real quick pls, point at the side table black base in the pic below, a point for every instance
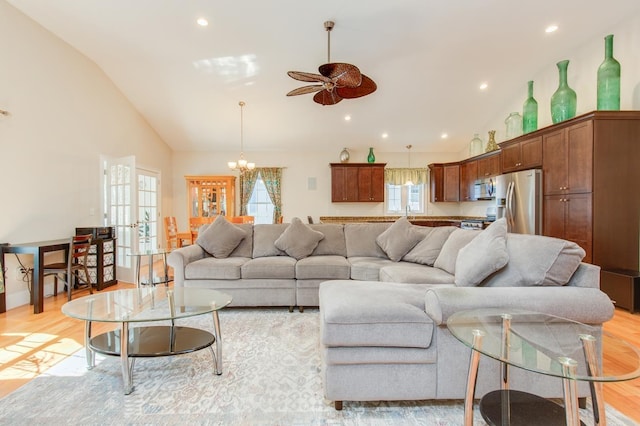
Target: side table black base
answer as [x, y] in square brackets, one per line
[525, 409]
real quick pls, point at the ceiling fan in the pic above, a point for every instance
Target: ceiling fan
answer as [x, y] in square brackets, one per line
[337, 80]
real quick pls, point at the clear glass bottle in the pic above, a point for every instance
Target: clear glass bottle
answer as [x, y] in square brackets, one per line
[514, 125]
[371, 158]
[530, 112]
[564, 100]
[609, 79]
[475, 146]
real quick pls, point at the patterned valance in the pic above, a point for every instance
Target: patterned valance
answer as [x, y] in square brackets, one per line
[402, 175]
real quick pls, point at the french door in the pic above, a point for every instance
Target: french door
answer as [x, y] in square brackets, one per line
[131, 200]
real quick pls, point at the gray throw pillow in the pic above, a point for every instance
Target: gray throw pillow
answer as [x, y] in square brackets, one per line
[220, 238]
[426, 251]
[398, 239]
[449, 254]
[298, 240]
[484, 255]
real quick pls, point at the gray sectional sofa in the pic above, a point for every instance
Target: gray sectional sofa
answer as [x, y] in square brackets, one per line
[385, 292]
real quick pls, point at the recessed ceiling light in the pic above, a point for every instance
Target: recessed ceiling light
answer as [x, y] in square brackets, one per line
[202, 22]
[551, 29]
[444, 136]
[483, 86]
[385, 135]
[347, 118]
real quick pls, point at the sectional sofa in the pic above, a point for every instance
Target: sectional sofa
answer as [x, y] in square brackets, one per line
[385, 292]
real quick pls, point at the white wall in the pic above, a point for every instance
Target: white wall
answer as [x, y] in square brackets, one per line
[65, 113]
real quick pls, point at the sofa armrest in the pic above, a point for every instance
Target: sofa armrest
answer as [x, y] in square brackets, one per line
[179, 259]
[585, 305]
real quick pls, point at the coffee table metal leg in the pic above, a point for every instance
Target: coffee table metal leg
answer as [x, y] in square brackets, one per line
[570, 388]
[91, 356]
[127, 377]
[593, 367]
[472, 377]
[218, 335]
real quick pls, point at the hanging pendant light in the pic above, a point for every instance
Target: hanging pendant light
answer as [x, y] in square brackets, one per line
[409, 182]
[242, 165]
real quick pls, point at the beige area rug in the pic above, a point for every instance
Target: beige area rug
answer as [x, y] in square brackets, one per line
[271, 376]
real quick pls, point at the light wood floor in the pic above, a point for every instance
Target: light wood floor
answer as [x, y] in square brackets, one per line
[30, 344]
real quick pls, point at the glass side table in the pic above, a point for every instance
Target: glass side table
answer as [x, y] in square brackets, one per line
[149, 304]
[543, 344]
[150, 254]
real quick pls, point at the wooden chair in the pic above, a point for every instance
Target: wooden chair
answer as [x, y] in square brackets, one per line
[75, 262]
[174, 238]
[242, 219]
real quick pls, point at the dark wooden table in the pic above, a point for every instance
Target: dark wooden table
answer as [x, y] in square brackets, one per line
[37, 249]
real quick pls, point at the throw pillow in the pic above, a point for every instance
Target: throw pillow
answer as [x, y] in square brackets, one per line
[484, 255]
[459, 238]
[220, 238]
[426, 251]
[298, 240]
[398, 239]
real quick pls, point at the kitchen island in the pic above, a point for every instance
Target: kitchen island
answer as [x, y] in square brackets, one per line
[416, 220]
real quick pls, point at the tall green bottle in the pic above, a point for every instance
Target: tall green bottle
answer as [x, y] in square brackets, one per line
[530, 112]
[564, 100]
[609, 79]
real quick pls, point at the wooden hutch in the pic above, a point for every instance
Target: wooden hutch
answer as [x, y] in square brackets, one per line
[210, 196]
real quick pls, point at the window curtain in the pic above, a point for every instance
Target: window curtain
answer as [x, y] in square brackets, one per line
[402, 175]
[248, 180]
[272, 178]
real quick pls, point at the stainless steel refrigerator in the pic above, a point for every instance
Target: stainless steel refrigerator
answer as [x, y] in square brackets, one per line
[519, 199]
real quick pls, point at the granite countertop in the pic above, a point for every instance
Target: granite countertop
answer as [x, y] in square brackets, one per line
[417, 218]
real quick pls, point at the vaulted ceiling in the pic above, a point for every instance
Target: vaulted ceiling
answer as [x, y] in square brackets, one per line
[427, 57]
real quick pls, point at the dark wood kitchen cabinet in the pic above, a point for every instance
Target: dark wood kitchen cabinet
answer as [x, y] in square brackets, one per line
[357, 182]
[445, 182]
[489, 164]
[468, 177]
[522, 153]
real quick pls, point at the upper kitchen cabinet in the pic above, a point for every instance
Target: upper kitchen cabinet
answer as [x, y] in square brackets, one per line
[489, 164]
[521, 153]
[445, 182]
[357, 182]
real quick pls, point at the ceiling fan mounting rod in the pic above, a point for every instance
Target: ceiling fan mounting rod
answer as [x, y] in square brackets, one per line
[328, 25]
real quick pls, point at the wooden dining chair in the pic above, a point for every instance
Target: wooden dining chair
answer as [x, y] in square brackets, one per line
[174, 238]
[74, 266]
[242, 219]
[196, 222]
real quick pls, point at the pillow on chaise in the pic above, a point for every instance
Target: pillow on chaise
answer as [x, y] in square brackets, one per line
[459, 238]
[220, 238]
[484, 255]
[427, 250]
[298, 240]
[398, 239]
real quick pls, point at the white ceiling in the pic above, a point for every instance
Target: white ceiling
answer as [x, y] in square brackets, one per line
[427, 58]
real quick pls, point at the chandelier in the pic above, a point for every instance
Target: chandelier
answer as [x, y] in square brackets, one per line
[242, 165]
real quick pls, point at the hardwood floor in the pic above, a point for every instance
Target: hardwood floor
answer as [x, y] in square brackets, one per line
[30, 344]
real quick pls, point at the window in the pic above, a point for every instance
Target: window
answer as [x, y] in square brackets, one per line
[260, 205]
[405, 199]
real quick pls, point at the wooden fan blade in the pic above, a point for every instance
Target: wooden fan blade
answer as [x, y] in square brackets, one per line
[326, 97]
[367, 87]
[305, 89]
[344, 75]
[308, 77]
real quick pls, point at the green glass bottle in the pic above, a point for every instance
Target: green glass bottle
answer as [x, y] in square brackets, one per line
[564, 100]
[609, 79]
[371, 158]
[530, 112]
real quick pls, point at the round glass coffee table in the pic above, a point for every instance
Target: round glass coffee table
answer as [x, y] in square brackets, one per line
[148, 305]
[543, 344]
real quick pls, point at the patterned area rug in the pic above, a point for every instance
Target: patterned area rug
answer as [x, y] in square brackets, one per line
[271, 376]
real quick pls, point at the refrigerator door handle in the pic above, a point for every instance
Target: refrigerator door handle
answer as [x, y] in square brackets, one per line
[509, 207]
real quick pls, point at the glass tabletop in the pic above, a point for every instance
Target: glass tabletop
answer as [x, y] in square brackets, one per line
[146, 304]
[150, 252]
[544, 343]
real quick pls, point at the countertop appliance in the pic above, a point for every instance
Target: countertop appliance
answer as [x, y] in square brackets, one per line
[519, 199]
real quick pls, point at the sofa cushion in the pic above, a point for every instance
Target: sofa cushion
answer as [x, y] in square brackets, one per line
[215, 269]
[298, 240]
[484, 255]
[537, 260]
[220, 238]
[427, 250]
[367, 268]
[405, 272]
[333, 242]
[366, 313]
[269, 267]
[323, 267]
[459, 238]
[361, 239]
[264, 239]
[398, 239]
